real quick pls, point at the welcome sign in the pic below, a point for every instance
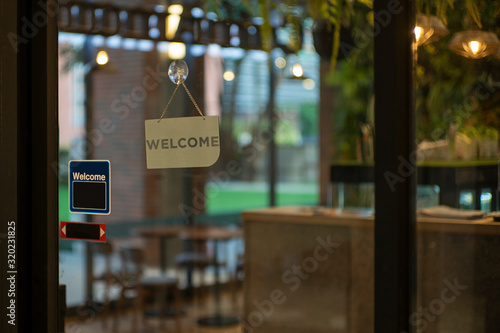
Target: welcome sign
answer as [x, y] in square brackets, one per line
[182, 142]
[89, 187]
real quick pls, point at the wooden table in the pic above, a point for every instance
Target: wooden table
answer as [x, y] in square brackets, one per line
[162, 233]
[215, 234]
[194, 233]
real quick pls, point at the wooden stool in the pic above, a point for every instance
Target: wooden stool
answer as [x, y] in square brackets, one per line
[132, 278]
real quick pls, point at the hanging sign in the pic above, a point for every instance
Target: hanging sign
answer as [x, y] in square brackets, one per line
[85, 231]
[182, 142]
[89, 187]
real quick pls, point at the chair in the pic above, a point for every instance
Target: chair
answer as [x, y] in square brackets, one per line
[104, 251]
[143, 288]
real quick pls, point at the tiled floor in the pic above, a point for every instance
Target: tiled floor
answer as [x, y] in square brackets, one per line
[193, 310]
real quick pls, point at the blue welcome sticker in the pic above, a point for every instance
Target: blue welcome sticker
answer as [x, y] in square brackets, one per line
[89, 187]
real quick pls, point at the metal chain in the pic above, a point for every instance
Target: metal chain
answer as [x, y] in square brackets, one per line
[172, 97]
[194, 102]
[168, 104]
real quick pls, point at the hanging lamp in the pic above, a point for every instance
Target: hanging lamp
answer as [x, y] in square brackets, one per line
[429, 29]
[474, 44]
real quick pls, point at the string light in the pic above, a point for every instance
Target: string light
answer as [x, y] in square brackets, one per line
[102, 58]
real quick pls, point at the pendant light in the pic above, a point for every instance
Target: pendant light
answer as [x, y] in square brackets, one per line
[429, 29]
[474, 44]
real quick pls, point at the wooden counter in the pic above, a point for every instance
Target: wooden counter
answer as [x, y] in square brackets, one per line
[335, 217]
[311, 270]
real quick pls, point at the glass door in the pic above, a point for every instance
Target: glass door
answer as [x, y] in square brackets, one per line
[456, 100]
[185, 222]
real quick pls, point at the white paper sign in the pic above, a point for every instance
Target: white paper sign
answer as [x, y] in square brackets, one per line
[182, 142]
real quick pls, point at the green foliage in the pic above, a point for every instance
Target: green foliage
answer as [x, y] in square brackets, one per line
[231, 10]
[439, 8]
[309, 120]
[294, 24]
[286, 133]
[452, 89]
[353, 79]
[290, 12]
[335, 19]
[473, 10]
[339, 13]
[446, 82]
[71, 56]
[442, 88]
[266, 30]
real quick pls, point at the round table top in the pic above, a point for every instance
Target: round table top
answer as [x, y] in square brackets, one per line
[159, 231]
[196, 232]
[209, 233]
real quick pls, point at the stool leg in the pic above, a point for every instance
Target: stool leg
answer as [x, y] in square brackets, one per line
[163, 307]
[118, 313]
[142, 305]
[177, 308]
[136, 311]
[203, 283]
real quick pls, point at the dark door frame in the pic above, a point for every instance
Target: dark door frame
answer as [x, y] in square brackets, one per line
[28, 168]
[395, 182]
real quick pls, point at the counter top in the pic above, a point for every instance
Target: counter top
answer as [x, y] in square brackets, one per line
[345, 218]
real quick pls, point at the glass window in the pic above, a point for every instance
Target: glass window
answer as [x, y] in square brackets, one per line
[288, 206]
[457, 133]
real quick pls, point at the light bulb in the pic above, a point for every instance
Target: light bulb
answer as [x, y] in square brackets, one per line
[176, 50]
[474, 44]
[423, 34]
[474, 47]
[418, 33]
[228, 76]
[175, 9]
[297, 70]
[308, 84]
[280, 62]
[102, 58]
[172, 20]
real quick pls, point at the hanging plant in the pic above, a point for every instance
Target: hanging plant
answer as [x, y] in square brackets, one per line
[473, 10]
[293, 22]
[231, 10]
[442, 8]
[335, 12]
[289, 15]
[335, 19]
[338, 15]
[266, 30]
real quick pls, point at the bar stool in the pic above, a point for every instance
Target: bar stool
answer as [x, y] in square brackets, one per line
[143, 287]
[194, 259]
[100, 250]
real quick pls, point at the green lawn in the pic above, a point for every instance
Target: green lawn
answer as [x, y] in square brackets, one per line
[63, 203]
[233, 201]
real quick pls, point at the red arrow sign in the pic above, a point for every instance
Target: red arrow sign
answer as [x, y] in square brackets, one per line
[83, 231]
